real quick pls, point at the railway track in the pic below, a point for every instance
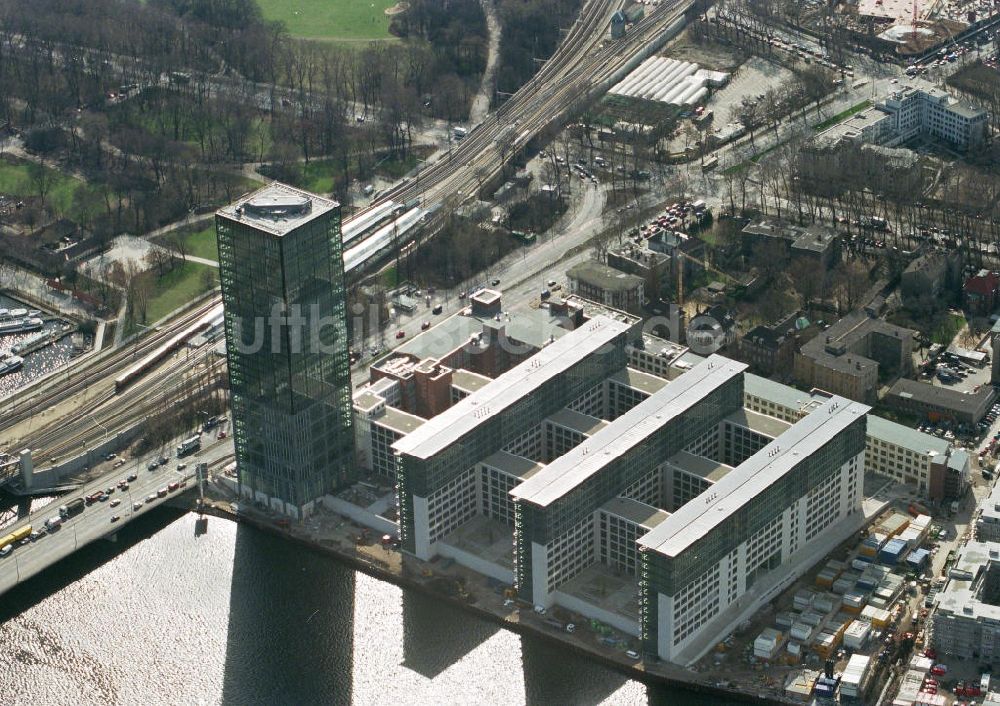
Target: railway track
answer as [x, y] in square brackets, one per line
[98, 370]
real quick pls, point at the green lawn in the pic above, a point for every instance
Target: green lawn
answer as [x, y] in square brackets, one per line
[842, 116]
[331, 19]
[16, 180]
[177, 288]
[198, 243]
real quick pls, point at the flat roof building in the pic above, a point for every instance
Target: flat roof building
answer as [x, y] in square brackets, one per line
[615, 288]
[709, 553]
[940, 403]
[913, 109]
[281, 265]
[966, 621]
[436, 462]
[849, 357]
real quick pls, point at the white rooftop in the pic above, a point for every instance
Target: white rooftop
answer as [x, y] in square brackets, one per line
[703, 514]
[277, 208]
[573, 468]
[445, 429]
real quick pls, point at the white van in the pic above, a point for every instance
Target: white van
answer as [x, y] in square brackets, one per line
[54, 522]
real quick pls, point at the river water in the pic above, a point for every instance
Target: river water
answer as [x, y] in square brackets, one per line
[239, 616]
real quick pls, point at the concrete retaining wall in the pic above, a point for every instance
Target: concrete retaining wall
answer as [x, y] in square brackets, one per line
[477, 564]
[53, 475]
[629, 627]
[360, 515]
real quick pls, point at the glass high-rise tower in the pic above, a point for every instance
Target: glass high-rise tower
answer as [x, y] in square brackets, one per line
[282, 273]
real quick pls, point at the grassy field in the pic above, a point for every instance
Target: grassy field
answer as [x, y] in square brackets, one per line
[318, 175]
[178, 287]
[15, 179]
[198, 243]
[340, 20]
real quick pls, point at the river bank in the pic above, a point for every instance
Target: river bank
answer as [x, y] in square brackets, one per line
[474, 593]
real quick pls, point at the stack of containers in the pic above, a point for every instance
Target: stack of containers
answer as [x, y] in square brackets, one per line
[854, 602]
[803, 599]
[857, 634]
[827, 603]
[784, 620]
[891, 553]
[879, 617]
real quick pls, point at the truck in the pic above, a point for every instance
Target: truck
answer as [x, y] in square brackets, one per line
[53, 522]
[73, 507]
[189, 446]
[15, 536]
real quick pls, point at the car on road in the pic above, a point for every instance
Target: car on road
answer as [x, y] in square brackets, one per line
[136, 506]
[111, 457]
[151, 497]
[173, 486]
[161, 493]
[115, 503]
[551, 283]
[163, 460]
[424, 326]
[181, 466]
[152, 465]
[131, 477]
[495, 283]
[119, 463]
[437, 310]
[632, 654]
[400, 334]
[115, 518]
[6, 550]
[222, 434]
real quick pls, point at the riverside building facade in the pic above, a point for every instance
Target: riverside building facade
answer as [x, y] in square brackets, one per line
[282, 276]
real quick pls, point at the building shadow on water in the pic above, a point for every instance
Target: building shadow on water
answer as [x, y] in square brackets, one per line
[553, 675]
[436, 635]
[291, 625]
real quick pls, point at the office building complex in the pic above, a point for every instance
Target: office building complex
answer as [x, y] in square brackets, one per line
[619, 476]
[928, 463]
[282, 275]
[966, 623]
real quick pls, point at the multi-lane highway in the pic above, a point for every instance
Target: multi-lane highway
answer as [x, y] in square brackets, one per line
[97, 519]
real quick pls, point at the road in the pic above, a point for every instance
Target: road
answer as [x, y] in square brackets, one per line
[95, 522]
